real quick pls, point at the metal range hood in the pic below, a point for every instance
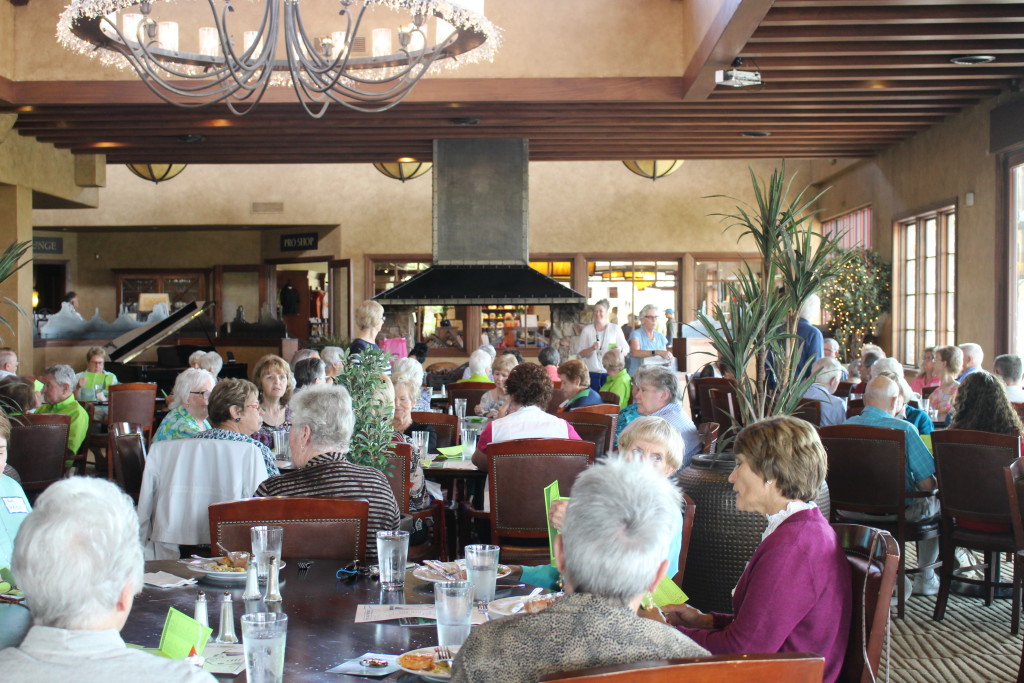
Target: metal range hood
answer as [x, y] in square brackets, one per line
[481, 225]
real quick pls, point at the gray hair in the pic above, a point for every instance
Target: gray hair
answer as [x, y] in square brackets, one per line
[616, 532]
[368, 314]
[829, 341]
[327, 410]
[76, 551]
[602, 302]
[648, 307]
[307, 371]
[411, 386]
[479, 362]
[1008, 367]
[810, 308]
[656, 430]
[408, 367]
[212, 362]
[658, 377]
[196, 356]
[8, 355]
[824, 368]
[880, 392]
[888, 364]
[491, 351]
[188, 381]
[303, 354]
[973, 350]
[63, 374]
[331, 355]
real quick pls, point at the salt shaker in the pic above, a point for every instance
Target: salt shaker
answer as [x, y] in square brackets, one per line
[273, 582]
[201, 613]
[252, 586]
[227, 620]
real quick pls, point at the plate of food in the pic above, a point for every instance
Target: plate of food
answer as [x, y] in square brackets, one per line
[219, 569]
[423, 662]
[456, 569]
[527, 604]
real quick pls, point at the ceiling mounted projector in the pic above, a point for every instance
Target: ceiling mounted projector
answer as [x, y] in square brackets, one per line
[735, 78]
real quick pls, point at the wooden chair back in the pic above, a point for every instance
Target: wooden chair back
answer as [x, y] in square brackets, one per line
[694, 399]
[38, 448]
[445, 426]
[874, 558]
[471, 391]
[854, 407]
[1013, 476]
[129, 462]
[865, 468]
[723, 408]
[968, 464]
[602, 408]
[689, 510]
[844, 388]
[598, 428]
[926, 392]
[399, 459]
[704, 386]
[134, 403]
[788, 666]
[314, 528]
[809, 409]
[519, 471]
[708, 432]
[1019, 407]
[609, 397]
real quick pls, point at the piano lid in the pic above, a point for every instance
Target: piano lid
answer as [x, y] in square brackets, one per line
[132, 344]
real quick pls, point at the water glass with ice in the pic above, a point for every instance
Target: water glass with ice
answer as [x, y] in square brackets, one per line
[454, 603]
[420, 441]
[392, 553]
[469, 435]
[482, 570]
[460, 408]
[266, 543]
[263, 641]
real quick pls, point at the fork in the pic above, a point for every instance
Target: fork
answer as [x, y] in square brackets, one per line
[442, 653]
[304, 566]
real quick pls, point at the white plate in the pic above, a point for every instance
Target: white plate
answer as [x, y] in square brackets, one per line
[427, 676]
[502, 607]
[215, 575]
[428, 574]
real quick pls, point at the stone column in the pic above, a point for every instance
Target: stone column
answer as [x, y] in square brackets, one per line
[16, 226]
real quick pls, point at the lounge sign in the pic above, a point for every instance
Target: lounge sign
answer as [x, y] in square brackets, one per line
[301, 242]
[47, 245]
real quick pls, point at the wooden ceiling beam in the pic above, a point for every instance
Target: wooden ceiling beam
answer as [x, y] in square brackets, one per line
[856, 13]
[900, 32]
[839, 47]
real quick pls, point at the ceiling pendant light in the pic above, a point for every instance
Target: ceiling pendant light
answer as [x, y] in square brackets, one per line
[654, 169]
[235, 52]
[405, 168]
[156, 173]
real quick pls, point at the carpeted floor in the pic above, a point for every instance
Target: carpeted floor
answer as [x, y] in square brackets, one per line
[972, 643]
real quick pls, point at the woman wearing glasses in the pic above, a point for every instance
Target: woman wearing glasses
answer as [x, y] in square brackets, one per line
[191, 400]
[647, 345]
[235, 413]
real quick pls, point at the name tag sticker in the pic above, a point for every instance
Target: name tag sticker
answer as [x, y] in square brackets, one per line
[15, 505]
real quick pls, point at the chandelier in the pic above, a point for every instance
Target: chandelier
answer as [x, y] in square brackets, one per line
[235, 56]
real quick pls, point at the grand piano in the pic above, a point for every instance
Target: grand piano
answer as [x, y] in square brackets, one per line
[171, 360]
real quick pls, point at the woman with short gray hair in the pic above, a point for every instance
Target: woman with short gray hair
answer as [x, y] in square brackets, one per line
[413, 370]
[190, 406]
[647, 344]
[657, 392]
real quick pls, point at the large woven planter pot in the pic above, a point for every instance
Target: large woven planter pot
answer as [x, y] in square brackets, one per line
[724, 538]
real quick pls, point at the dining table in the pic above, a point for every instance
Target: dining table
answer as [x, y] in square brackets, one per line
[321, 610]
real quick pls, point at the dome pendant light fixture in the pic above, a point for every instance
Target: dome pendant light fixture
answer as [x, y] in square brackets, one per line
[156, 173]
[405, 168]
[654, 169]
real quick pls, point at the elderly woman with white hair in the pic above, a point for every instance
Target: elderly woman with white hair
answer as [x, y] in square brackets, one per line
[479, 364]
[647, 343]
[412, 369]
[494, 403]
[190, 406]
[212, 363]
[80, 602]
[657, 392]
[369, 319]
[322, 426]
[404, 392]
[334, 359]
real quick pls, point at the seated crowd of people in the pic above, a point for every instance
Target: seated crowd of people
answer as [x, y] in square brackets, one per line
[620, 532]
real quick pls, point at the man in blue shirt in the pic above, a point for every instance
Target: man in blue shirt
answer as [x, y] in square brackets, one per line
[881, 400]
[826, 373]
[973, 358]
[811, 342]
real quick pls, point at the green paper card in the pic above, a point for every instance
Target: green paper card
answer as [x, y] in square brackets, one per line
[551, 494]
[927, 438]
[181, 634]
[668, 593]
[451, 451]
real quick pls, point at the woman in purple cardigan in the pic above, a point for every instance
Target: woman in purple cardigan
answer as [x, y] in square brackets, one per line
[795, 594]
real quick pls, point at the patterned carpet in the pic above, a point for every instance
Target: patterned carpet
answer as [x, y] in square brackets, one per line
[972, 643]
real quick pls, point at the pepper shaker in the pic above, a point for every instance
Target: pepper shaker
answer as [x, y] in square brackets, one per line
[273, 582]
[227, 620]
[252, 586]
[201, 612]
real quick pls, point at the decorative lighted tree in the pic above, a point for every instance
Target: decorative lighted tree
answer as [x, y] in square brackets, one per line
[856, 299]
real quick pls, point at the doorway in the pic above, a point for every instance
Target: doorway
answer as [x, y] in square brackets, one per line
[51, 282]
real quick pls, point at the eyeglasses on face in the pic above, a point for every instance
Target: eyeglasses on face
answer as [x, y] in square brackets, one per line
[651, 317]
[204, 394]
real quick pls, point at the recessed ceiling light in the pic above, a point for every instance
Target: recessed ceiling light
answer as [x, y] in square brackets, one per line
[192, 138]
[466, 121]
[971, 60]
[755, 133]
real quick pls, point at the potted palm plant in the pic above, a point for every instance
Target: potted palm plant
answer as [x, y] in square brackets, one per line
[754, 333]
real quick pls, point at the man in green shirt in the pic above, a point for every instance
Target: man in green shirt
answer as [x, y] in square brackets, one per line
[58, 385]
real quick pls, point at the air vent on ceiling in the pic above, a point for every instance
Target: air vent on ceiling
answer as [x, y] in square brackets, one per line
[267, 207]
[359, 45]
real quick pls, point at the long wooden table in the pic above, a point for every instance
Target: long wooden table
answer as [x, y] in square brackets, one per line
[320, 609]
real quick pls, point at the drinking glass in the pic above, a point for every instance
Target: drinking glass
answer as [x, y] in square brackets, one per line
[468, 441]
[454, 603]
[392, 553]
[420, 441]
[482, 571]
[460, 408]
[263, 641]
[266, 543]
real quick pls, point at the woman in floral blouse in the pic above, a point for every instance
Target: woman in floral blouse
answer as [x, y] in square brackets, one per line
[235, 413]
[191, 400]
[949, 361]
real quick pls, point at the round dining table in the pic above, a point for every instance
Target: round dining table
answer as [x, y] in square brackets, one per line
[321, 610]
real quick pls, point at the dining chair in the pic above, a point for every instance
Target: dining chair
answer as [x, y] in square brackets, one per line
[809, 409]
[708, 433]
[399, 462]
[844, 388]
[314, 528]
[694, 399]
[1019, 407]
[1014, 480]
[976, 511]
[598, 428]
[471, 391]
[704, 386]
[445, 426]
[129, 457]
[38, 449]
[134, 403]
[602, 408]
[519, 470]
[854, 407]
[723, 408]
[927, 391]
[609, 396]
[689, 510]
[867, 475]
[792, 667]
[874, 558]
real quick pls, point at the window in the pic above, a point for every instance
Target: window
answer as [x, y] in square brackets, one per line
[387, 274]
[925, 282]
[1016, 216]
[710, 280]
[631, 285]
[856, 225]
